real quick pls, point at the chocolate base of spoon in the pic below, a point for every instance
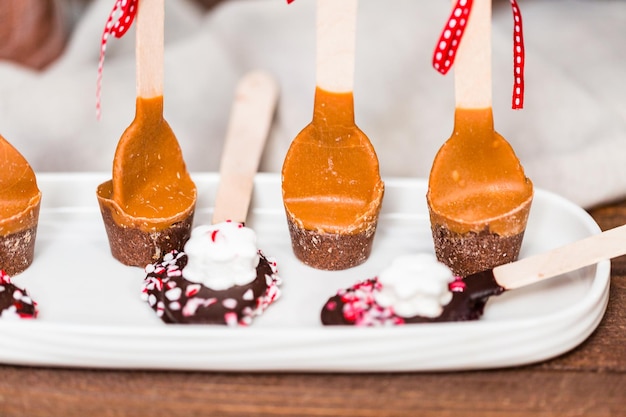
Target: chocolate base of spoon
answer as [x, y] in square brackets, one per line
[17, 250]
[330, 251]
[134, 246]
[472, 252]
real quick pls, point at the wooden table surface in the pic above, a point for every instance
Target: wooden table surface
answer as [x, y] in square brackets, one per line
[588, 381]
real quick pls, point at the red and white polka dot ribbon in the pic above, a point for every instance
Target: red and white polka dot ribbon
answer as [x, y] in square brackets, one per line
[519, 58]
[119, 21]
[450, 37]
[445, 51]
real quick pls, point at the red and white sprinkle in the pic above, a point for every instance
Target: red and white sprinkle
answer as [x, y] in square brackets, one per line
[159, 280]
[17, 305]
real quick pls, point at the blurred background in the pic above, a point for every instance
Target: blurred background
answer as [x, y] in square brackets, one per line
[570, 136]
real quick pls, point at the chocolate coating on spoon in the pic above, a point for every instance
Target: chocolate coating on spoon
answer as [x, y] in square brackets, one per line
[356, 305]
[178, 300]
[15, 303]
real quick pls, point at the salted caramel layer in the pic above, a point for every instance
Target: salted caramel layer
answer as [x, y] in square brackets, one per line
[151, 187]
[331, 179]
[19, 195]
[477, 181]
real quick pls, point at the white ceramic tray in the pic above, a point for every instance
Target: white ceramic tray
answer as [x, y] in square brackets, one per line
[91, 314]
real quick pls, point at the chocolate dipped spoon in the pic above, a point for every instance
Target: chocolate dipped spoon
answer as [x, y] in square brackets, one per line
[148, 206]
[362, 304]
[478, 195]
[222, 277]
[20, 200]
[332, 190]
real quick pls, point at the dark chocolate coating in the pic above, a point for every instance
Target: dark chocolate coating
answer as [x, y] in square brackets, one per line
[466, 304]
[472, 252]
[25, 308]
[330, 251]
[135, 247]
[245, 297]
[17, 250]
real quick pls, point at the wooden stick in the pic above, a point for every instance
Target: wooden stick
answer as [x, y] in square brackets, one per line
[565, 259]
[336, 40]
[149, 48]
[472, 65]
[248, 128]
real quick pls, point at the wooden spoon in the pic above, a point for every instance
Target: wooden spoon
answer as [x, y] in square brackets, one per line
[332, 190]
[248, 128]
[249, 125]
[151, 189]
[478, 195]
[20, 199]
[471, 293]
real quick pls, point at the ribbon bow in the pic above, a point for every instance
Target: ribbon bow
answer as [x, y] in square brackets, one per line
[120, 20]
[445, 51]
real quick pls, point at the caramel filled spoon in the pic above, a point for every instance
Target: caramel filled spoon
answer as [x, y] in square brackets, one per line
[149, 204]
[20, 199]
[332, 190]
[478, 195]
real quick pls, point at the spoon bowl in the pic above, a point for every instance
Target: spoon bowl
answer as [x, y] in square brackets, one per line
[479, 198]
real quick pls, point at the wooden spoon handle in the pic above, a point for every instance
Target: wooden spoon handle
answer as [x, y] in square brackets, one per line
[248, 128]
[472, 65]
[149, 48]
[567, 258]
[336, 40]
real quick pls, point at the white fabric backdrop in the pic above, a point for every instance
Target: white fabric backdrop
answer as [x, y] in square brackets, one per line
[571, 135]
